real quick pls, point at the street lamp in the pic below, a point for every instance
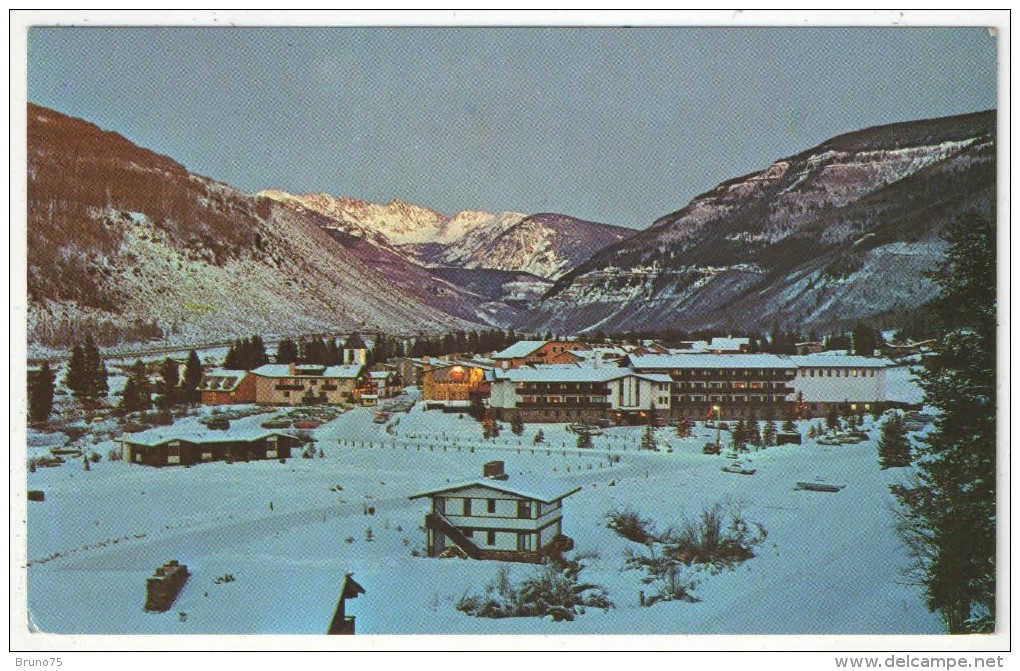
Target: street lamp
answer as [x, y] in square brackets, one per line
[718, 428]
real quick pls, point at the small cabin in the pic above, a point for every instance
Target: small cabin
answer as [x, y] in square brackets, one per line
[497, 516]
[170, 447]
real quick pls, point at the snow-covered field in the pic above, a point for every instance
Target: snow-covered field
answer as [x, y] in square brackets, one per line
[289, 532]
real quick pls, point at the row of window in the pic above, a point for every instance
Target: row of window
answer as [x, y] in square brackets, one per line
[837, 372]
[523, 508]
[524, 539]
[552, 400]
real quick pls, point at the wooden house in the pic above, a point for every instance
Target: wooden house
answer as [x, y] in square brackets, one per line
[170, 446]
[454, 384]
[535, 352]
[227, 387]
[295, 384]
[499, 517]
[376, 384]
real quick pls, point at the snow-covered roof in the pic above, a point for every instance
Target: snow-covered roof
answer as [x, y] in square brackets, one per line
[829, 360]
[283, 370]
[221, 379]
[729, 343]
[443, 363]
[521, 348]
[546, 490]
[698, 360]
[165, 434]
[380, 374]
[572, 373]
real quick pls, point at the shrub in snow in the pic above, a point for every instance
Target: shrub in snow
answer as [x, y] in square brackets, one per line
[539, 437]
[114, 455]
[551, 592]
[673, 559]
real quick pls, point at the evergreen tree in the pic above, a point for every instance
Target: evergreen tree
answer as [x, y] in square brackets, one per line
[76, 377]
[257, 354]
[40, 394]
[683, 427]
[584, 440]
[768, 433]
[739, 436]
[233, 359]
[832, 418]
[168, 383]
[893, 446]
[137, 390]
[754, 431]
[866, 339]
[516, 424]
[287, 351]
[648, 438]
[800, 408]
[97, 373]
[192, 378]
[949, 520]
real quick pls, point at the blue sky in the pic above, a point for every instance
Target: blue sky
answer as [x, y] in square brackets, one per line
[619, 125]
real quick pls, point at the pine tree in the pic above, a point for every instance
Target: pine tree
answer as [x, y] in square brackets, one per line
[96, 371]
[832, 418]
[517, 424]
[40, 394]
[169, 379]
[754, 431]
[949, 512]
[192, 378]
[893, 445]
[287, 351]
[76, 377]
[768, 434]
[648, 438]
[800, 409]
[683, 427]
[584, 440]
[137, 390]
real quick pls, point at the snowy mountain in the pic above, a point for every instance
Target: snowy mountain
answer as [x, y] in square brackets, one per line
[544, 245]
[843, 231]
[130, 246]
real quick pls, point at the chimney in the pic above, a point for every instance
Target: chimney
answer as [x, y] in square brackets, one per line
[291, 368]
[598, 359]
[493, 470]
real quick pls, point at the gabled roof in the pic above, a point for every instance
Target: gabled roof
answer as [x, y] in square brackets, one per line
[221, 380]
[354, 342]
[572, 373]
[827, 360]
[162, 435]
[520, 349]
[699, 360]
[283, 370]
[537, 488]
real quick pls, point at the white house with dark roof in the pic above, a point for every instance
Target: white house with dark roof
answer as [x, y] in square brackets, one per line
[509, 518]
[827, 379]
[578, 393]
[290, 384]
[186, 445]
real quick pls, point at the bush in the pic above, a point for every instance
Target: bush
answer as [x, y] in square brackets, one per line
[550, 591]
[672, 560]
[114, 455]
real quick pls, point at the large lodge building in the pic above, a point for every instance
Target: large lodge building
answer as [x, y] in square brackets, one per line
[570, 381]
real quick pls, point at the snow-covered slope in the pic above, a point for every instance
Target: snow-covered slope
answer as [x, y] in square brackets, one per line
[129, 246]
[837, 233]
[546, 245]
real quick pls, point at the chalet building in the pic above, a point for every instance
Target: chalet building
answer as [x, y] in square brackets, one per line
[293, 384]
[167, 446]
[856, 382]
[375, 385]
[454, 384]
[515, 518]
[227, 387]
[906, 349]
[533, 352]
[737, 384]
[578, 394]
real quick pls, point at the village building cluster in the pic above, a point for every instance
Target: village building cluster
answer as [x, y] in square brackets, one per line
[574, 381]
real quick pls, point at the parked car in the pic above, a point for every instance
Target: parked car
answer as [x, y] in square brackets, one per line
[589, 429]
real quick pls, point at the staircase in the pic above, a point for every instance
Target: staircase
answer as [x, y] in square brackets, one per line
[437, 522]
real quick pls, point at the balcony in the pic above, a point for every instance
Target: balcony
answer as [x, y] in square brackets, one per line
[563, 404]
